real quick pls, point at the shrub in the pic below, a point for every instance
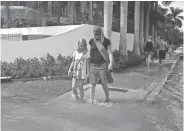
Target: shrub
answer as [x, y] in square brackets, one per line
[35, 67]
[48, 65]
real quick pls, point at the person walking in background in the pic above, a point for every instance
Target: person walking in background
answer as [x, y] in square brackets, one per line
[148, 48]
[79, 68]
[170, 51]
[101, 62]
[162, 49]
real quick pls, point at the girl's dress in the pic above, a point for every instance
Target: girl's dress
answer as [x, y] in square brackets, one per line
[80, 64]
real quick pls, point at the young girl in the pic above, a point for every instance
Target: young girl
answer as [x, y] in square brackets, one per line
[79, 68]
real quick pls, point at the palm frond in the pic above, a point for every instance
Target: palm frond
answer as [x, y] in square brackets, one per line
[181, 17]
[156, 18]
[172, 10]
[170, 16]
[178, 22]
[177, 12]
[161, 10]
[166, 3]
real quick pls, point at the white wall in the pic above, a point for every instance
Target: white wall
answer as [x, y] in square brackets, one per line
[64, 44]
[49, 30]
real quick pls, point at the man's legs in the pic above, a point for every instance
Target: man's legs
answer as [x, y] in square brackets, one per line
[92, 93]
[106, 91]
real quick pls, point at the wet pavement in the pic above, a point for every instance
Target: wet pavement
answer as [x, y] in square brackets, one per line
[123, 112]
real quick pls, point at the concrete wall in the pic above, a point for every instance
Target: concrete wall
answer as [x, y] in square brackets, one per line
[51, 30]
[64, 44]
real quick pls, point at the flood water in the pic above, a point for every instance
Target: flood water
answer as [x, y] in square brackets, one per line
[172, 94]
[169, 103]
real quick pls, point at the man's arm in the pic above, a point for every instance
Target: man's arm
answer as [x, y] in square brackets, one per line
[111, 58]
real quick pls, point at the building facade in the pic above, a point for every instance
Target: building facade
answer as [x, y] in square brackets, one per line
[57, 12]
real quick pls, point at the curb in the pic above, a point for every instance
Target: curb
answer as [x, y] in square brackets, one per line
[150, 97]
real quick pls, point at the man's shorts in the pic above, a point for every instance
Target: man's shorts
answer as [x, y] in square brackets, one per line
[162, 54]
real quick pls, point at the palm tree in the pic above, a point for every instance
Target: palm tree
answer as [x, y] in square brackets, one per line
[123, 28]
[41, 6]
[141, 31]
[147, 11]
[155, 32]
[175, 18]
[108, 8]
[151, 22]
[166, 3]
[136, 29]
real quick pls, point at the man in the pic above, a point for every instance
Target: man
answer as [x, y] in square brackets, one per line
[101, 62]
[162, 49]
[170, 51]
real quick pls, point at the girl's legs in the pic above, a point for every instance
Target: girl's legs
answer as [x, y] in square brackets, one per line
[74, 88]
[81, 83]
[92, 93]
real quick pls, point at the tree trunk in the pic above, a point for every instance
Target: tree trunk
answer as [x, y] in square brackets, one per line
[71, 12]
[58, 12]
[152, 25]
[147, 22]
[49, 7]
[136, 29]
[155, 30]
[41, 9]
[141, 37]
[123, 28]
[7, 15]
[82, 8]
[173, 35]
[152, 32]
[108, 8]
[91, 12]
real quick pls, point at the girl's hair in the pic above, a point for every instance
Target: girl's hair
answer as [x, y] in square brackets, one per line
[85, 45]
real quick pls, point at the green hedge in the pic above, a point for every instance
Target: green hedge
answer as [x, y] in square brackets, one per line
[35, 67]
[48, 65]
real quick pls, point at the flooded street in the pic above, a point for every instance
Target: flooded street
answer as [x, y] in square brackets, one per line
[29, 109]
